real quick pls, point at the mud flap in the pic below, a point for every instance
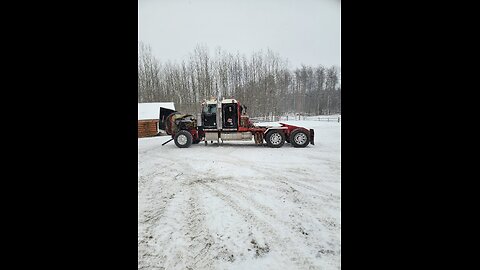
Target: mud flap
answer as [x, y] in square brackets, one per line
[258, 136]
[312, 137]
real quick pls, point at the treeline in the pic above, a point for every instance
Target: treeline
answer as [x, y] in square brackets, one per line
[262, 82]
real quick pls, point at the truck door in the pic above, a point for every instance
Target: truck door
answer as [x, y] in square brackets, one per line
[209, 116]
[230, 117]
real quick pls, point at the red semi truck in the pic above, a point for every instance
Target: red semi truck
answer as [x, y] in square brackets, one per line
[227, 120]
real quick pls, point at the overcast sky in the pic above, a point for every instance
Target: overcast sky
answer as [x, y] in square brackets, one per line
[304, 31]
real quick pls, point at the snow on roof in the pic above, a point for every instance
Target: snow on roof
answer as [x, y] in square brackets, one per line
[211, 102]
[152, 110]
[229, 100]
[225, 100]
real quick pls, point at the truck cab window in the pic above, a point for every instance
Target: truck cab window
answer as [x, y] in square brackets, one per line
[211, 108]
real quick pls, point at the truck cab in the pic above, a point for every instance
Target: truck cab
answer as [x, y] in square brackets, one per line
[222, 115]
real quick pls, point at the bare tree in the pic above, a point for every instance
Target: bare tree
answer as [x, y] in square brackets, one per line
[262, 81]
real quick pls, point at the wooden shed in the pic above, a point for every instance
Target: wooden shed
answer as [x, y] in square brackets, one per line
[148, 114]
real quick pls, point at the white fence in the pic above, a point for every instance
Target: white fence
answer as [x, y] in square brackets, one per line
[336, 118]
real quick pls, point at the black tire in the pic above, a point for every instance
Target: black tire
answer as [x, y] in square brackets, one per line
[299, 138]
[183, 139]
[275, 138]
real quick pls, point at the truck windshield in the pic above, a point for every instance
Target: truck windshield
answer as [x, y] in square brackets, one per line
[211, 108]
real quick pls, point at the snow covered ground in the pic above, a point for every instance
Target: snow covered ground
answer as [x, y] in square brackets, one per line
[240, 206]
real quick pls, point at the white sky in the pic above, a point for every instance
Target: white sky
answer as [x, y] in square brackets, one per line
[303, 31]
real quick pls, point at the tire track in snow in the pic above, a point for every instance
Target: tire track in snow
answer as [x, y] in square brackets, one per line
[200, 239]
[293, 226]
[158, 196]
[143, 179]
[265, 171]
[183, 238]
[152, 168]
[276, 241]
[328, 221]
[328, 196]
[281, 189]
[307, 177]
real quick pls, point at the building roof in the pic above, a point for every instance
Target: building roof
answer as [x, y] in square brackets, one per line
[152, 110]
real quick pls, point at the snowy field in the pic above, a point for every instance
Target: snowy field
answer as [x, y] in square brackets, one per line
[240, 206]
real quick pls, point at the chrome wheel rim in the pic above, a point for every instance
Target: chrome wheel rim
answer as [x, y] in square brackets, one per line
[182, 139]
[276, 138]
[300, 138]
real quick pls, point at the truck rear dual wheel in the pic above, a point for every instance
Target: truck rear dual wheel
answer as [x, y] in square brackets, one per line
[275, 139]
[183, 139]
[299, 138]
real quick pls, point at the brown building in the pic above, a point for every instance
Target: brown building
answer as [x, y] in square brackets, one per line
[148, 114]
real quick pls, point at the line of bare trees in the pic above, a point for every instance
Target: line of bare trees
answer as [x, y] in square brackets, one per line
[262, 82]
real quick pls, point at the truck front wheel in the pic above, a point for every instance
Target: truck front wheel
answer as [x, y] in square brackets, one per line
[183, 139]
